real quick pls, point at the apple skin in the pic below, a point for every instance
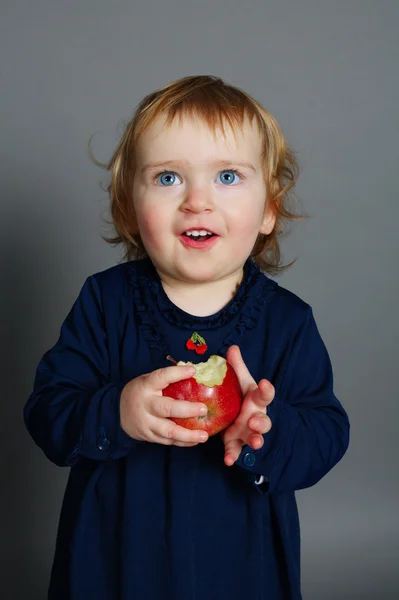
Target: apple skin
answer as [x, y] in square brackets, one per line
[223, 401]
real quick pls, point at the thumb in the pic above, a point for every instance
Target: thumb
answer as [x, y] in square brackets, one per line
[234, 357]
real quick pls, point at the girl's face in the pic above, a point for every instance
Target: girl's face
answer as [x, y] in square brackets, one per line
[188, 181]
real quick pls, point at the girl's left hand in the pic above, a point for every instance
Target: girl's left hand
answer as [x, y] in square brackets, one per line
[252, 420]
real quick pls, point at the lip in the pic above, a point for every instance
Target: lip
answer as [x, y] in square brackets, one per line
[205, 245]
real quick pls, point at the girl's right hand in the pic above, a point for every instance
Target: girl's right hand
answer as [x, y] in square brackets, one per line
[145, 413]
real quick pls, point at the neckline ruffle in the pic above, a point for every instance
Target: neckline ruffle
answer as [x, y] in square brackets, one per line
[150, 298]
[177, 316]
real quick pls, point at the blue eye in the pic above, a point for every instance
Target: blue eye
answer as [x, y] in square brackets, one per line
[229, 177]
[167, 178]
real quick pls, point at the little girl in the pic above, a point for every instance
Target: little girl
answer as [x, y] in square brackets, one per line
[152, 510]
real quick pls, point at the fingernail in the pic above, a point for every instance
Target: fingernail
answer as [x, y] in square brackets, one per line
[203, 410]
[203, 437]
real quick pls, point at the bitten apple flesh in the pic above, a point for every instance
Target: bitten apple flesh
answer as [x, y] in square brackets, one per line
[215, 384]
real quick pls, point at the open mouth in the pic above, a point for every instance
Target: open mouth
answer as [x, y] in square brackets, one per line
[199, 239]
[198, 235]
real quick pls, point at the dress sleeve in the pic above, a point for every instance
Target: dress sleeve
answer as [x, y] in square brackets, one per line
[73, 410]
[310, 428]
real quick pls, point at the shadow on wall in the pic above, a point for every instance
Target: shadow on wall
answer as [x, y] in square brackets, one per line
[32, 488]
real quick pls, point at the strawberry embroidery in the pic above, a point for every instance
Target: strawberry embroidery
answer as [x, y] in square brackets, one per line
[197, 343]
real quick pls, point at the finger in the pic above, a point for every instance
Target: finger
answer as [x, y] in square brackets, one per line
[161, 378]
[234, 357]
[260, 423]
[176, 433]
[158, 439]
[264, 394]
[169, 407]
[255, 441]
[231, 433]
[185, 444]
[232, 452]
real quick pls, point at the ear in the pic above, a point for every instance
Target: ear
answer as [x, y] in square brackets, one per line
[268, 222]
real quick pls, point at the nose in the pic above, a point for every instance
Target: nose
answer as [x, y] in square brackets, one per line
[197, 201]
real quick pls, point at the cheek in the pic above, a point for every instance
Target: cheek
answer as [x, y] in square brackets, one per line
[152, 222]
[248, 223]
[246, 210]
[148, 212]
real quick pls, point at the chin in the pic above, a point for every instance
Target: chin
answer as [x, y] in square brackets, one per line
[197, 269]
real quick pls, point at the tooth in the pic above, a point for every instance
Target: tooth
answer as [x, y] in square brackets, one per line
[195, 232]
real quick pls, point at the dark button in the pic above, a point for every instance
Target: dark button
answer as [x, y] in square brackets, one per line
[103, 443]
[249, 459]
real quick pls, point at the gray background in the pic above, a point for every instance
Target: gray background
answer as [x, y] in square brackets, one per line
[328, 70]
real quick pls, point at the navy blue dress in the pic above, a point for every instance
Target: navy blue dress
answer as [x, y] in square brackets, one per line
[143, 521]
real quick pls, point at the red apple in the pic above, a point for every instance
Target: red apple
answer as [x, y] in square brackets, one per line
[216, 384]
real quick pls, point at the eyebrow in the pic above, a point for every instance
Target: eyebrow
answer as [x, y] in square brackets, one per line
[179, 163]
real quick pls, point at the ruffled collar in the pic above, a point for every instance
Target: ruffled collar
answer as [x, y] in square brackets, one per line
[242, 311]
[177, 316]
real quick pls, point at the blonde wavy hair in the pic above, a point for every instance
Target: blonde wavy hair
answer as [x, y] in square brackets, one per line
[216, 103]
